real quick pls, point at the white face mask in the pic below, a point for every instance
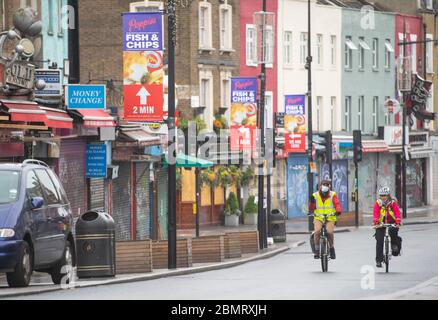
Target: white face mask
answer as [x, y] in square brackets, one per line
[325, 189]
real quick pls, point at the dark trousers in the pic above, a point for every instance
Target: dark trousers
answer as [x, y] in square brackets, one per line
[380, 240]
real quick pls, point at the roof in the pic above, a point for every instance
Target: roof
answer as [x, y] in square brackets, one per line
[351, 4]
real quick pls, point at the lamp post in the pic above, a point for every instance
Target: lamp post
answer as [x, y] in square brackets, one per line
[309, 106]
[171, 40]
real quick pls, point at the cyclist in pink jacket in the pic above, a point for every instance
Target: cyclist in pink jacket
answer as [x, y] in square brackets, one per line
[386, 211]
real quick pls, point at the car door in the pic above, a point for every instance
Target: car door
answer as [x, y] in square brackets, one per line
[56, 236]
[39, 227]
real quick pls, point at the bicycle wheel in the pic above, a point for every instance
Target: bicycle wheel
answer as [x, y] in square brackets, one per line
[324, 255]
[386, 255]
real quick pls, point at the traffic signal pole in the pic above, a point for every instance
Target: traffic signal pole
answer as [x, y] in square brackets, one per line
[309, 106]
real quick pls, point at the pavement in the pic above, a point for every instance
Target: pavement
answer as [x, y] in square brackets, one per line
[41, 282]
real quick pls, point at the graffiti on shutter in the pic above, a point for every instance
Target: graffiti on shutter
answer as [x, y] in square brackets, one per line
[143, 221]
[122, 202]
[97, 194]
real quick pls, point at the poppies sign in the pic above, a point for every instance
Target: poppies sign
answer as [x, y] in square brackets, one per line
[295, 124]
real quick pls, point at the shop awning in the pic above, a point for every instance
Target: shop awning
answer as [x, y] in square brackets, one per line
[417, 153]
[185, 161]
[25, 111]
[140, 136]
[96, 118]
[57, 118]
[369, 146]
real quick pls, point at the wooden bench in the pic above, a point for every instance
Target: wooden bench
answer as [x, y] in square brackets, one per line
[249, 241]
[232, 245]
[183, 254]
[133, 256]
[208, 249]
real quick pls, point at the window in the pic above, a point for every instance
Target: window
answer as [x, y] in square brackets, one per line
[333, 51]
[414, 53]
[332, 113]
[33, 187]
[49, 189]
[318, 113]
[146, 6]
[375, 53]
[225, 89]
[205, 38]
[349, 47]
[269, 115]
[360, 114]
[429, 54]
[347, 114]
[425, 4]
[387, 119]
[319, 49]
[226, 24]
[58, 187]
[51, 17]
[375, 114]
[251, 41]
[60, 6]
[362, 47]
[206, 95]
[268, 50]
[303, 48]
[287, 48]
[9, 186]
[388, 50]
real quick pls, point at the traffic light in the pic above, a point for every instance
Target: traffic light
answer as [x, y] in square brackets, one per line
[325, 140]
[357, 145]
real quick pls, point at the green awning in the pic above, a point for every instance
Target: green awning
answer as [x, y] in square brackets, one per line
[185, 161]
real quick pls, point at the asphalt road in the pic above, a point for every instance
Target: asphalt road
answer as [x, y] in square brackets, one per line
[292, 275]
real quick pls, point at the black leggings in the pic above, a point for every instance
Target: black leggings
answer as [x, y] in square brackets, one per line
[380, 238]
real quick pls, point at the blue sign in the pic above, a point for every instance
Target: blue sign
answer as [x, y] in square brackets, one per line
[52, 78]
[143, 31]
[86, 97]
[243, 90]
[96, 161]
[294, 104]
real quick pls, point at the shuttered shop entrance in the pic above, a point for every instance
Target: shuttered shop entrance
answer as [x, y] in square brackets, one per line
[121, 196]
[97, 194]
[162, 193]
[71, 171]
[142, 201]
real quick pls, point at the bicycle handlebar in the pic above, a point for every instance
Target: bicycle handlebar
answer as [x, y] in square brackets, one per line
[385, 225]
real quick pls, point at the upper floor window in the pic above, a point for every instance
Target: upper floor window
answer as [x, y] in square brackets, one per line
[333, 51]
[319, 49]
[205, 38]
[225, 89]
[349, 47]
[375, 53]
[429, 53]
[388, 50]
[347, 114]
[287, 48]
[303, 48]
[251, 41]
[363, 46]
[225, 25]
[146, 6]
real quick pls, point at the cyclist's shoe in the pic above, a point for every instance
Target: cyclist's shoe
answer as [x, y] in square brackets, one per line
[316, 254]
[332, 253]
[379, 264]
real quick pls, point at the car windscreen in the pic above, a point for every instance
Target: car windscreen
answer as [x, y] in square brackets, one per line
[9, 183]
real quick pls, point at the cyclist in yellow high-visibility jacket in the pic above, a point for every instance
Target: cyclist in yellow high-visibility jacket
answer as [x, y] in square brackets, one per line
[325, 201]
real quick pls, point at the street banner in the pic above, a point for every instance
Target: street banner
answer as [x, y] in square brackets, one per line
[243, 113]
[143, 73]
[83, 96]
[96, 161]
[295, 124]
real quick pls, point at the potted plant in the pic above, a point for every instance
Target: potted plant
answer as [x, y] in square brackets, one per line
[232, 211]
[219, 123]
[250, 212]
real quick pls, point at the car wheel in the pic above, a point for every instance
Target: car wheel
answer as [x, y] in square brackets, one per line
[64, 267]
[23, 270]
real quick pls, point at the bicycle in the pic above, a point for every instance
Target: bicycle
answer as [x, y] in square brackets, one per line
[324, 244]
[387, 254]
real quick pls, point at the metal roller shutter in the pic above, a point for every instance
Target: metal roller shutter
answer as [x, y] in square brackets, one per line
[72, 173]
[122, 202]
[143, 216]
[97, 194]
[162, 204]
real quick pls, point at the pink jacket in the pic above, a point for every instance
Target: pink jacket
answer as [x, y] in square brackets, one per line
[393, 206]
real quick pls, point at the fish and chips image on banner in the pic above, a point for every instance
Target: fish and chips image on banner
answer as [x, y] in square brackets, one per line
[295, 123]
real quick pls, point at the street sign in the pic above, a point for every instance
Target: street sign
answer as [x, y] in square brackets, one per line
[96, 161]
[20, 74]
[52, 78]
[143, 73]
[243, 113]
[295, 123]
[86, 97]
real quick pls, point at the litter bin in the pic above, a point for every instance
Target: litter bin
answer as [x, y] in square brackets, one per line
[278, 226]
[95, 245]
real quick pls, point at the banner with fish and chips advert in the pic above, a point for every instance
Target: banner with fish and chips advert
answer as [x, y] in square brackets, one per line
[143, 73]
[243, 113]
[295, 124]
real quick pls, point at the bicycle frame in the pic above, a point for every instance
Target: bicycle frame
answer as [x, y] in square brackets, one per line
[387, 252]
[324, 244]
